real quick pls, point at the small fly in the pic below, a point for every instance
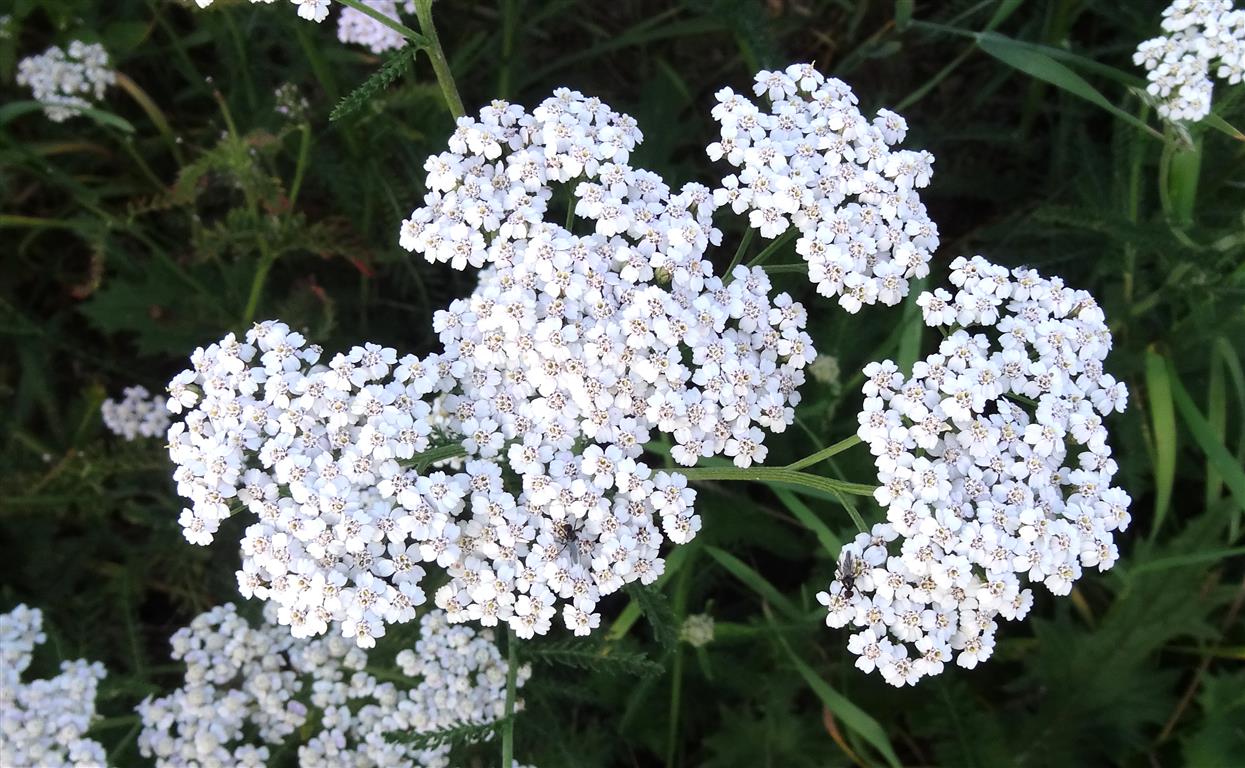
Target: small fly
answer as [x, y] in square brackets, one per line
[846, 575]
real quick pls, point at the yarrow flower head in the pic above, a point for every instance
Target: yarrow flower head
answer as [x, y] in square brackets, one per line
[1202, 36]
[67, 81]
[290, 103]
[812, 161]
[354, 26]
[994, 470]
[44, 722]
[250, 689]
[137, 414]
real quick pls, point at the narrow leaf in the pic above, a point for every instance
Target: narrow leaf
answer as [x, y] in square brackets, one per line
[851, 715]
[656, 608]
[745, 573]
[1163, 423]
[1204, 435]
[809, 519]
[1045, 68]
[594, 656]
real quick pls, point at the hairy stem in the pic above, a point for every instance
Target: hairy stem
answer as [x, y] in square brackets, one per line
[778, 475]
[432, 44]
[825, 453]
[512, 673]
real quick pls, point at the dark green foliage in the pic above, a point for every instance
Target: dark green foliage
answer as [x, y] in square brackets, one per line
[396, 64]
[594, 656]
[134, 234]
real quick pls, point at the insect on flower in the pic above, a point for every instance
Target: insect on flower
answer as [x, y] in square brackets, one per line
[846, 575]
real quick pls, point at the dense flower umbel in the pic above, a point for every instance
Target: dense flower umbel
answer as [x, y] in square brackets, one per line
[814, 162]
[357, 27]
[136, 415]
[993, 467]
[1201, 36]
[44, 722]
[249, 689]
[66, 82]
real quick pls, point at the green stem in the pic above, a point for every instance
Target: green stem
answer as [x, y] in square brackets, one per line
[394, 24]
[778, 269]
[773, 247]
[778, 475]
[304, 150]
[432, 44]
[739, 253]
[822, 455]
[425, 459]
[509, 26]
[512, 672]
[266, 259]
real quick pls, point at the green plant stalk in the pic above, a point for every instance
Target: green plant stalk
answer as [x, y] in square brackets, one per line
[445, 78]
[777, 475]
[773, 247]
[304, 151]
[822, 455]
[739, 253]
[676, 673]
[512, 672]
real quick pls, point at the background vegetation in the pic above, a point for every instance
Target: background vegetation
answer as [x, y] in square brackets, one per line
[186, 207]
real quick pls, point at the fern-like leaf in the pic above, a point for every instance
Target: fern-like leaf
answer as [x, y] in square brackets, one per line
[393, 68]
[656, 608]
[597, 657]
[457, 735]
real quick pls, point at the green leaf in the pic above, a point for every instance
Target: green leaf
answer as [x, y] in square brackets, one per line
[1180, 561]
[1163, 424]
[745, 573]
[903, 14]
[1041, 66]
[809, 519]
[1223, 126]
[394, 67]
[1219, 738]
[851, 715]
[466, 733]
[656, 608]
[1204, 435]
[593, 656]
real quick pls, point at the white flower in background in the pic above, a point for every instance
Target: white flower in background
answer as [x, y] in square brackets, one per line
[354, 26]
[1202, 37]
[290, 103]
[312, 10]
[136, 415]
[993, 467]
[812, 161]
[249, 689]
[44, 722]
[66, 82]
[697, 630]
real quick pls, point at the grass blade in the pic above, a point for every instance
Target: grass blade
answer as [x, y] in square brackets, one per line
[1163, 423]
[852, 716]
[745, 573]
[1204, 435]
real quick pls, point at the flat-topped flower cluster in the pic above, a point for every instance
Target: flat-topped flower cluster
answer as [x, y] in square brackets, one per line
[1201, 37]
[44, 722]
[355, 26]
[568, 357]
[511, 461]
[67, 81]
[248, 689]
[137, 414]
[994, 470]
[812, 161]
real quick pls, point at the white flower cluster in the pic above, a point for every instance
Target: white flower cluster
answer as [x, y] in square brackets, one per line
[312, 10]
[290, 103]
[553, 375]
[66, 82]
[813, 161]
[994, 470]
[249, 689]
[1202, 35]
[136, 415]
[44, 722]
[354, 26]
